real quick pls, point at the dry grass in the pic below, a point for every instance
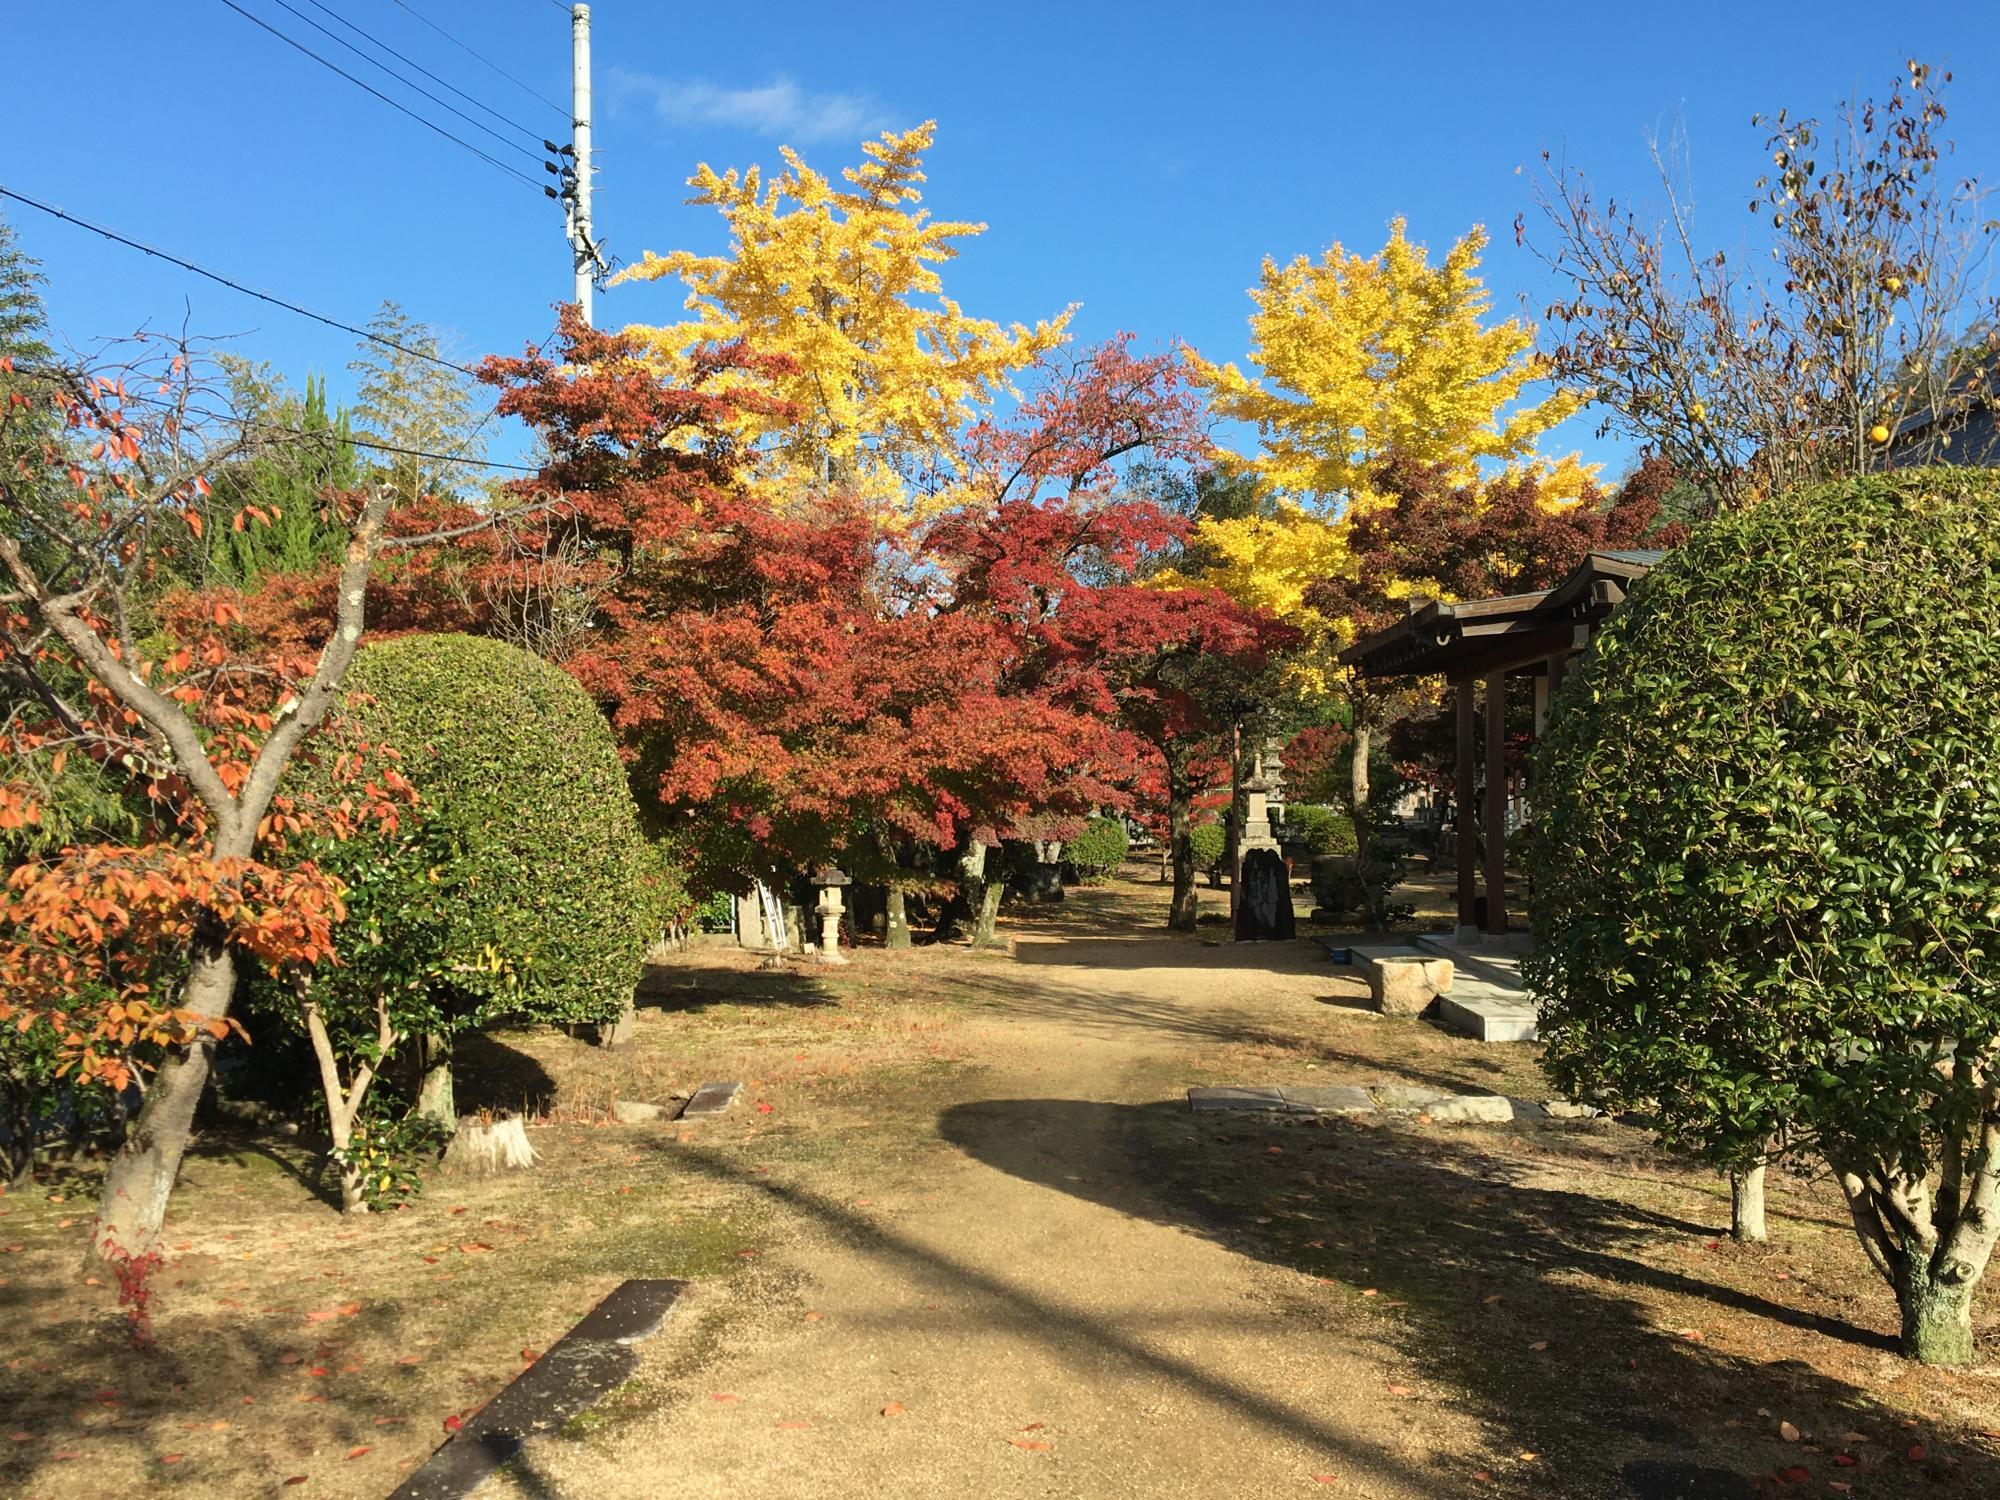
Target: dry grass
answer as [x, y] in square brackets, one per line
[1569, 1288]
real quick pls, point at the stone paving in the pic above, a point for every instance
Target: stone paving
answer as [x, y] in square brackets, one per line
[1383, 1098]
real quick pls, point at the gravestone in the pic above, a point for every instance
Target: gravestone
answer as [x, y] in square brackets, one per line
[1264, 906]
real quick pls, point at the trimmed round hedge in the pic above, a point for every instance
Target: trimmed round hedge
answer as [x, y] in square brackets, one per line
[520, 883]
[1099, 849]
[1766, 855]
[1210, 843]
[1327, 830]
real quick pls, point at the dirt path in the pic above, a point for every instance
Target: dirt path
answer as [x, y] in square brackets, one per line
[1027, 1317]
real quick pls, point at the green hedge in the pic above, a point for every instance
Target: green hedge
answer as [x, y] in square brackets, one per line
[1327, 830]
[1766, 856]
[1096, 853]
[1211, 843]
[520, 883]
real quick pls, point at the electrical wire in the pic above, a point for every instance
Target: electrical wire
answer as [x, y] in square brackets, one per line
[442, 82]
[234, 285]
[561, 109]
[490, 160]
[444, 104]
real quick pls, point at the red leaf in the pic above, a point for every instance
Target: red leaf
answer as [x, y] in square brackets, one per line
[357, 1451]
[893, 1409]
[453, 1423]
[1031, 1445]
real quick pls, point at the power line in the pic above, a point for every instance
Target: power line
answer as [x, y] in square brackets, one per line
[58, 377]
[394, 104]
[445, 82]
[560, 109]
[233, 285]
[444, 104]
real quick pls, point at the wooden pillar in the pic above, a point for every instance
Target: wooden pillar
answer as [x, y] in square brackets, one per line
[1496, 803]
[1558, 669]
[1468, 797]
[1544, 685]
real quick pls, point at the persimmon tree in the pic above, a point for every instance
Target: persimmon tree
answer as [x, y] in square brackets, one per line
[130, 953]
[1846, 335]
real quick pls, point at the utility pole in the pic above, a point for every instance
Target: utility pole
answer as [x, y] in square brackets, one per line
[583, 248]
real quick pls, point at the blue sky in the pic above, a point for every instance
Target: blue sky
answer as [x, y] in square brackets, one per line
[1137, 160]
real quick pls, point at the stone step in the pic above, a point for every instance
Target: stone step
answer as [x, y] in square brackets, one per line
[1476, 960]
[1488, 1012]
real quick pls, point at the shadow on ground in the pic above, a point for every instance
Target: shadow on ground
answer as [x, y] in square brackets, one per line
[688, 984]
[1539, 1303]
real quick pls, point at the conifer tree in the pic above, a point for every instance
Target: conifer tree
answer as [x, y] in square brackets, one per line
[407, 400]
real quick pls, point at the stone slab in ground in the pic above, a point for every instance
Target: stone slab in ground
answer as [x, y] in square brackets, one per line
[1482, 1109]
[1405, 1096]
[1562, 1109]
[635, 1112]
[594, 1357]
[1331, 1099]
[1203, 1100]
[711, 1099]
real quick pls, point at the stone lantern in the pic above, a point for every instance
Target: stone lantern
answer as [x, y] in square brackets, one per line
[1256, 816]
[830, 880]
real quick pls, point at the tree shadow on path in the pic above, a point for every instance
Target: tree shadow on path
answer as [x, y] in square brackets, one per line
[1539, 1301]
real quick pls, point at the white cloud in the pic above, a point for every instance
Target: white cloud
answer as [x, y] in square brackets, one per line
[780, 108]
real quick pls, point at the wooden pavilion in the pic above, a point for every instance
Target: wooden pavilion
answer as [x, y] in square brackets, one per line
[1477, 646]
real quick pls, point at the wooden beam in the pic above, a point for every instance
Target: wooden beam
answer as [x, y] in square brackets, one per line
[1467, 795]
[1496, 803]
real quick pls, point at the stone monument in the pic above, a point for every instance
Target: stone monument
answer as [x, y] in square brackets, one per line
[1264, 905]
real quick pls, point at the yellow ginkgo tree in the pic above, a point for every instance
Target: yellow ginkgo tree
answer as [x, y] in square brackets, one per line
[844, 280]
[1357, 360]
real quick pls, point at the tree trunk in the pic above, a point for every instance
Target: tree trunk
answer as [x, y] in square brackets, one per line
[1937, 1313]
[624, 1028]
[133, 1205]
[1369, 866]
[985, 930]
[1185, 905]
[343, 1101]
[1746, 1205]
[436, 1099]
[896, 929]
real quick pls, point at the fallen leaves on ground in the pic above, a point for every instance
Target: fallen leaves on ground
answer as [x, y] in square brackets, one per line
[893, 1409]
